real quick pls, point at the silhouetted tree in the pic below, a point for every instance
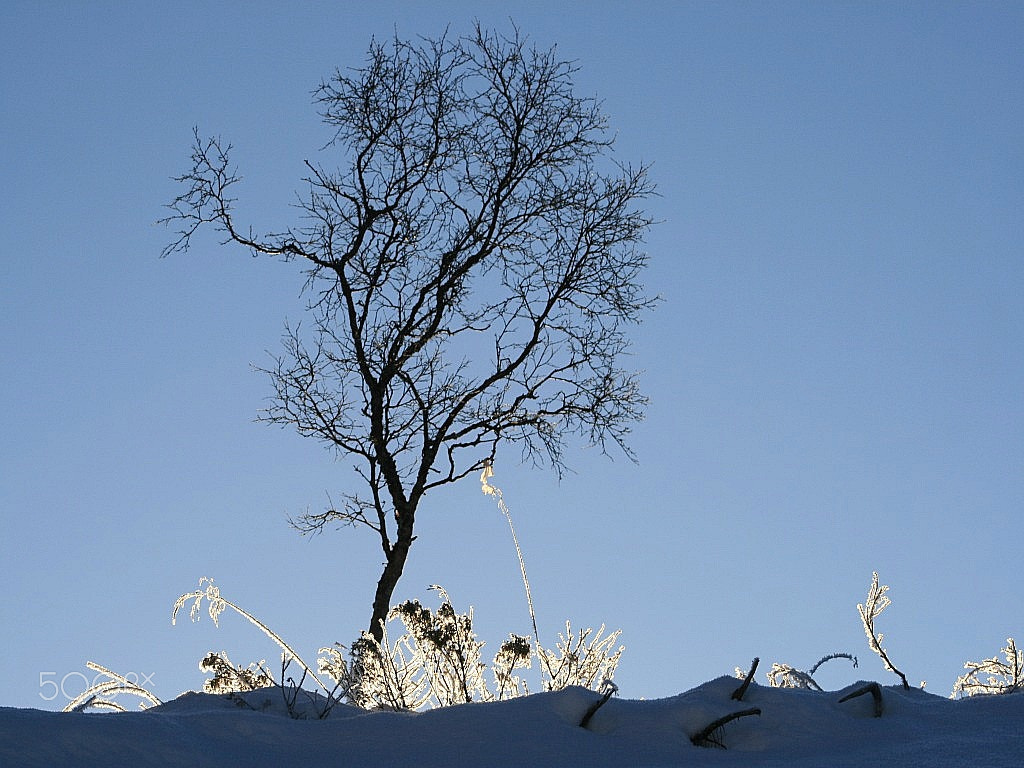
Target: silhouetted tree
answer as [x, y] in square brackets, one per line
[473, 267]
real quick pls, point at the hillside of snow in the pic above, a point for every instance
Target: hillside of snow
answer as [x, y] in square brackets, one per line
[795, 728]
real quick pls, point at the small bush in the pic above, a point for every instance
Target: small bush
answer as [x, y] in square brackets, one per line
[227, 678]
[1003, 676]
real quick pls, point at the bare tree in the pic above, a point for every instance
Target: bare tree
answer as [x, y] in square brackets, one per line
[473, 268]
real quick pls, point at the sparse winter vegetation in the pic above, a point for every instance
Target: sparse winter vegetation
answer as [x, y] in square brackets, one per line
[216, 605]
[993, 676]
[436, 662]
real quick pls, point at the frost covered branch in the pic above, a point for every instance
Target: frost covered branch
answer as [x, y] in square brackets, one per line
[102, 695]
[878, 601]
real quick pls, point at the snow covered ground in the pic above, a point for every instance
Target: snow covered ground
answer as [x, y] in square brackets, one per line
[795, 728]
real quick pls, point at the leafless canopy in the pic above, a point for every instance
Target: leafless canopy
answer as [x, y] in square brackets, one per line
[474, 265]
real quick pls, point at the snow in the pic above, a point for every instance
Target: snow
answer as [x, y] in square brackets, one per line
[796, 728]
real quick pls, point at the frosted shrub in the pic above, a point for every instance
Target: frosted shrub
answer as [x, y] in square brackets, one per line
[448, 650]
[227, 678]
[785, 676]
[581, 660]
[515, 653]
[437, 661]
[378, 675]
[1002, 676]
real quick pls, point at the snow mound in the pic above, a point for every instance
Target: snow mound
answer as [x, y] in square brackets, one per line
[795, 728]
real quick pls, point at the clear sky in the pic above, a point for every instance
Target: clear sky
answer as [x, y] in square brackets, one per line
[835, 371]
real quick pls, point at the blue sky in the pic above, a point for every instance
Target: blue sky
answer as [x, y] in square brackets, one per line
[835, 371]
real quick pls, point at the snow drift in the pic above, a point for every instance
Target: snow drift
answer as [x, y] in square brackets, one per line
[794, 728]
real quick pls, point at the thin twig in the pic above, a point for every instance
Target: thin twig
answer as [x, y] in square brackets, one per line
[706, 737]
[876, 693]
[609, 689]
[740, 692]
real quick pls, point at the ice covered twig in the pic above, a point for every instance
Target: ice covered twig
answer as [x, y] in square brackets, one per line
[877, 602]
[100, 695]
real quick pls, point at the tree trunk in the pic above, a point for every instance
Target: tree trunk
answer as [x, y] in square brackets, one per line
[393, 568]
